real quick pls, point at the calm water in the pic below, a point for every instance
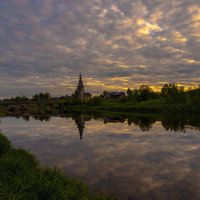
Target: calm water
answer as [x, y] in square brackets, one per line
[133, 158]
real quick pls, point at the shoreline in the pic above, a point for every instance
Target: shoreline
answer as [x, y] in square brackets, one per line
[21, 177]
[18, 109]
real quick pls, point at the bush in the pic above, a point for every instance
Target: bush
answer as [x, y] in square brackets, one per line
[5, 144]
[96, 101]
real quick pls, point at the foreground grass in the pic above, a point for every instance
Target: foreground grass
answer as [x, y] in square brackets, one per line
[21, 178]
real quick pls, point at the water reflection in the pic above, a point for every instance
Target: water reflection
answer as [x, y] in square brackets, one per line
[114, 119]
[41, 117]
[145, 123]
[80, 122]
[117, 154]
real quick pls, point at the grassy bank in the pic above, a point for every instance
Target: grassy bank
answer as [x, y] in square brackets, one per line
[151, 106]
[156, 106]
[21, 178]
[3, 110]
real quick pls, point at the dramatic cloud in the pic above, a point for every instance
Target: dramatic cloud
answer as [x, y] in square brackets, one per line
[114, 44]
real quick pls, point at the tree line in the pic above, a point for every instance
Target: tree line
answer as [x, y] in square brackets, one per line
[171, 93]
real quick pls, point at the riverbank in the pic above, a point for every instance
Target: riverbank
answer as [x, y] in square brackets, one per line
[22, 178]
[157, 106]
[147, 107]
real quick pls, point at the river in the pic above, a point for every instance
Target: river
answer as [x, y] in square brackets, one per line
[133, 158]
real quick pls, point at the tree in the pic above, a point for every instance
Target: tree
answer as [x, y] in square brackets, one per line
[144, 93]
[41, 96]
[96, 101]
[129, 92]
[172, 93]
[104, 93]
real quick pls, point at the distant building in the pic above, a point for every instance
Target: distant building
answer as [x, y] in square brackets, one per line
[114, 95]
[80, 93]
[55, 98]
[67, 97]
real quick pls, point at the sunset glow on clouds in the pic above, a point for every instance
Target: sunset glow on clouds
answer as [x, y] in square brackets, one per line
[115, 44]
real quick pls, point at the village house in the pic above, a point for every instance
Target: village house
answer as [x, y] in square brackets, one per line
[114, 95]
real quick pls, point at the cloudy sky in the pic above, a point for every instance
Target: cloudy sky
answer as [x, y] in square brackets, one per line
[115, 44]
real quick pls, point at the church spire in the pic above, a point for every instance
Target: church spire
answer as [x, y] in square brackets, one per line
[80, 83]
[80, 93]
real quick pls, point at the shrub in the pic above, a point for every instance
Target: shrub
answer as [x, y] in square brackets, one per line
[5, 144]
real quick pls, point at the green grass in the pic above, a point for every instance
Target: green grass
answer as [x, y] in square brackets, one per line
[21, 178]
[5, 145]
[3, 110]
[155, 106]
[151, 106]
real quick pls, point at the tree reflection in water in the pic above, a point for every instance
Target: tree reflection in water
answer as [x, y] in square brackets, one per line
[118, 157]
[145, 123]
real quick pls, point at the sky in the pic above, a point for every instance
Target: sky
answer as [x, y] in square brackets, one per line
[114, 44]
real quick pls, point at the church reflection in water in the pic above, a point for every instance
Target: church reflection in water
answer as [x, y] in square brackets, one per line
[123, 161]
[145, 123]
[80, 123]
[81, 119]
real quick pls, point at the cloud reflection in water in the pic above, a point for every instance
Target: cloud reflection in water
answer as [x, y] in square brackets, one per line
[115, 157]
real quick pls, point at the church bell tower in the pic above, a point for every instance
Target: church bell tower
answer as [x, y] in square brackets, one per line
[80, 89]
